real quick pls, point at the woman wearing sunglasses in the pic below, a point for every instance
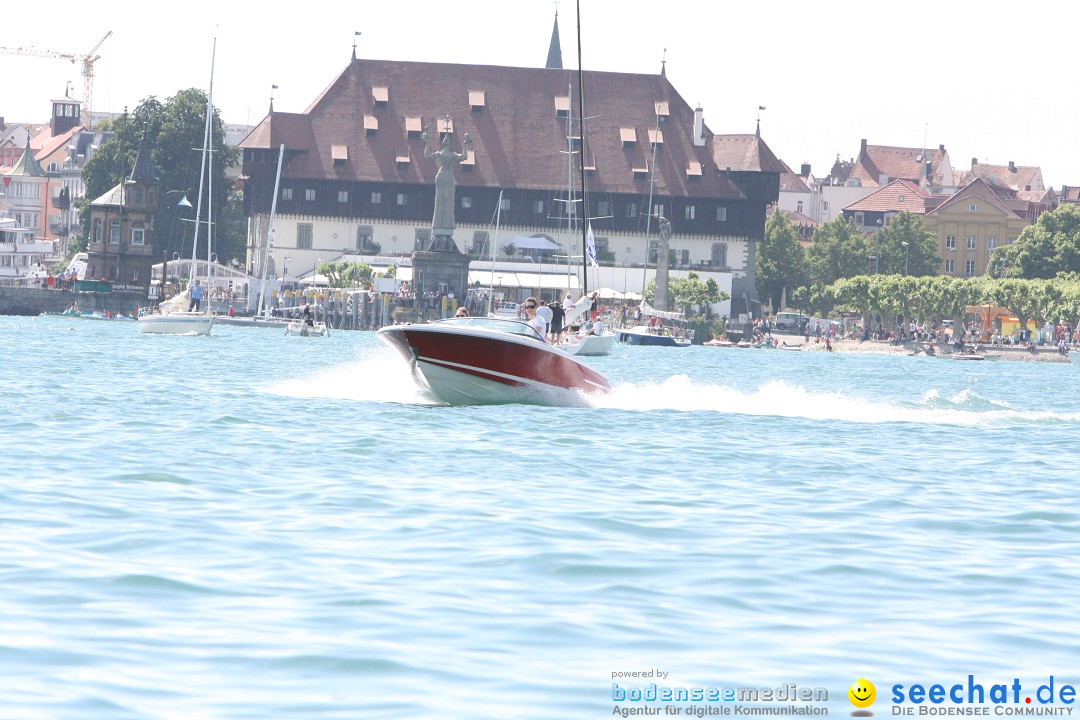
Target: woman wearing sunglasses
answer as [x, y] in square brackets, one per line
[535, 321]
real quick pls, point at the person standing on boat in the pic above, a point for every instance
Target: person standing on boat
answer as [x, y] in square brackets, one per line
[533, 320]
[557, 315]
[196, 296]
[544, 312]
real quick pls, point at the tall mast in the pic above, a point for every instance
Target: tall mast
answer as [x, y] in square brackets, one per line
[202, 179]
[270, 237]
[581, 164]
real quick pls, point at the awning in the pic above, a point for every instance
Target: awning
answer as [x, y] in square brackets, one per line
[533, 243]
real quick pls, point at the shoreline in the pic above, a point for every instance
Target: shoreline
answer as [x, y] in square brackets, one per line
[882, 347]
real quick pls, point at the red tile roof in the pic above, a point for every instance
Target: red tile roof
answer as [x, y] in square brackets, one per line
[1017, 177]
[897, 196]
[980, 189]
[517, 136]
[898, 162]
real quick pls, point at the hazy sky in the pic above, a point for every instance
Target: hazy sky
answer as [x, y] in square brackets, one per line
[986, 80]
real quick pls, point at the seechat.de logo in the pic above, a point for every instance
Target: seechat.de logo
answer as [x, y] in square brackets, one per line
[862, 694]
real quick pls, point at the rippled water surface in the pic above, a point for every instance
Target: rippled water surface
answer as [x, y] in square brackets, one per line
[254, 526]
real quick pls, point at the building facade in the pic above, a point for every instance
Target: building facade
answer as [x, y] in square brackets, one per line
[355, 180]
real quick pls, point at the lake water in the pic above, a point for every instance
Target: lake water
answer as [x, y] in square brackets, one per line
[248, 525]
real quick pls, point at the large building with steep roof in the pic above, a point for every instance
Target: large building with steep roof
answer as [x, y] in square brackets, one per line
[970, 225]
[878, 165]
[355, 179]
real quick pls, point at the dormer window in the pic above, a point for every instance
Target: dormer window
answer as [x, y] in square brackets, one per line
[371, 124]
[413, 126]
[477, 100]
[656, 137]
[339, 154]
[661, 110]
[628, 135]
[562, 106]
[380, 95]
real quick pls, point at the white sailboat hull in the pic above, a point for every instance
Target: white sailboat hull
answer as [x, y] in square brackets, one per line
[589, 345]
[183, 323]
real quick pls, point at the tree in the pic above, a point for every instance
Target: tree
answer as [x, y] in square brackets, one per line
[920, 257]
[173, 129]
[1049, 247]
[780, 259]
[346, 274]
[839, 250]
[685, 292]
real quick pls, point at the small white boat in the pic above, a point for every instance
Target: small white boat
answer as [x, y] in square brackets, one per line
[591, 345]
[968, 356]
[299, 328]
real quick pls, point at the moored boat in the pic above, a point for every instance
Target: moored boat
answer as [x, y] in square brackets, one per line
[483, 361]
[301, 328]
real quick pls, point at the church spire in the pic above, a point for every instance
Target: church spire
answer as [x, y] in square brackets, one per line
[663, 65]
[143, 170]
[554, 58]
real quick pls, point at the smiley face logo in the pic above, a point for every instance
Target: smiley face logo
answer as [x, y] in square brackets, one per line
[862, 693]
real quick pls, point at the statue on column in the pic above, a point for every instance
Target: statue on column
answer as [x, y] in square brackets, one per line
[442, 223]
[661, 295]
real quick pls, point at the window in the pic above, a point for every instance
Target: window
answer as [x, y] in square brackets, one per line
[303, 236]
[538, 207]
[505, 206]
[309, 195]
[480, 243]
[688, 212]
[860, 219]
[402, 199]
[973, 207]
[466, 201]
[825, 205]
[721, 214]
[286, 193]
[138, 236]
[991, 242]
[969, 268]
[631, 209]
[718, 258]
[139, 196]
[798, 207]
[376, 198]
[971, 242]
[658, 210]
[97, 231]
[135, 275]
[343, 196]
[684, 257]
[364, 234]
[949, 265]
[54, 167]
[114, 232]
[603, 208]
[950, 242]
[423, 237]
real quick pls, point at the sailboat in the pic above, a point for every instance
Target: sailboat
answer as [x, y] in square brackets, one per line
[589, 341]
[181, 315]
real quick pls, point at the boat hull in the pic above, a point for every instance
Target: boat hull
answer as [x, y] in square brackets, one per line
[302, 329]
[177, 324]
[641, 336]
[467, 366]
[589, 345]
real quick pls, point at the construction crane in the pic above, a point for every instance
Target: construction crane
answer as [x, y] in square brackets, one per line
[87, 61]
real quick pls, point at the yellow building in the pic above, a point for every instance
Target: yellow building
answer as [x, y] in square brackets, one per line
[969, 225]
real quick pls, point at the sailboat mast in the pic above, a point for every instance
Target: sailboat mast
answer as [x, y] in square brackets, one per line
[581, 164]
[494, 247]
[649, 210]
[270, 236]
[202, 178]
[209, 155]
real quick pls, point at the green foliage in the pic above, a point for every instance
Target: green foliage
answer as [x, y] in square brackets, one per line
[1049, 247]
[173, 129]
[342, 274]
[920, 257]
[781, 260]
[840, 250]
[683, 292]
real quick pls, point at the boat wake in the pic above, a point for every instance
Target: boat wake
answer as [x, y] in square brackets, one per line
[380, 377]
[782, 399]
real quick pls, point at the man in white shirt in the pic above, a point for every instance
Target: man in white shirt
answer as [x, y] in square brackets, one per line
[544, 312]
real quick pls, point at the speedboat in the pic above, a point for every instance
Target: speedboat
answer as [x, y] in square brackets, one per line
[652, 335]
[300, 328]
[588, 344]
[484, 361]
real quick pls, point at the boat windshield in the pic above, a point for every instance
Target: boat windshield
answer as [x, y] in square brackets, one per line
[514, 327]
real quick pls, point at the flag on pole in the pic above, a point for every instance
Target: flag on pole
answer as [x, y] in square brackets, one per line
[591, 246]
[183, 202]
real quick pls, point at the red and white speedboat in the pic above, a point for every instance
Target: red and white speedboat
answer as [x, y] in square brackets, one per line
[483, 361]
